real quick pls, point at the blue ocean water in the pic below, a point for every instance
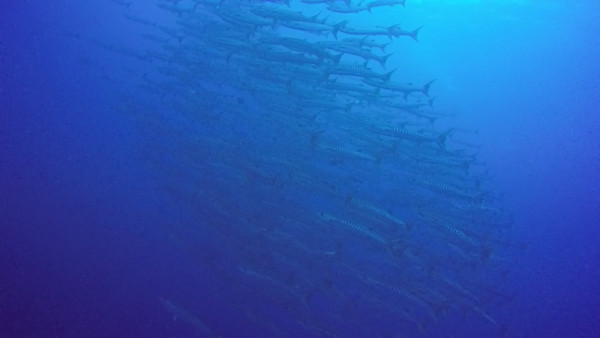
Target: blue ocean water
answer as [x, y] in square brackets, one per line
[146, 191]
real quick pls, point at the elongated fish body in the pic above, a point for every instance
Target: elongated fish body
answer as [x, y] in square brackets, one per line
[210, 3]
[377, 212]
[347, 2]
[182, 314]
[381, 3]
[344, 28]
[297, 58]
[245, 18]
[353, 8]
[358, 71]
[282, 14]
[300, 45]
[406, 295]
[406, 89]
[367, 42]
[122, 2]
[351, 87]
[354, 227]
[175, 9]
[295, 165]
[396, 31]
[450, 189]
[140, 20]
[347, 152]
[367, 54]
[312, 27]
[292, 290]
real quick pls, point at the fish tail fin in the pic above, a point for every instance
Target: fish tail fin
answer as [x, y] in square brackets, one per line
[307, 298]
[466, 165]
[394, 26]
[337, 27]
[228, 57]
[320, 61]
[426, 87]
[415, 34]
[422, 325]
[348, 199]
[253, 45]
[378, 158]
[337, 58]
[409, 225]
[441, 139]
[431, 119]
[441, 307]
[388, 75]
[348, 107]
[430, 102]
[383, 59]
[396, 247]
[314, 137]
[486, 252]
[480, 197]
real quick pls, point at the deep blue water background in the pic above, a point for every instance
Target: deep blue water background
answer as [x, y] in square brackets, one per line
[83, 250]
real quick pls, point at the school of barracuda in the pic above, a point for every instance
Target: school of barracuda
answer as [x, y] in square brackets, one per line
[312, 177]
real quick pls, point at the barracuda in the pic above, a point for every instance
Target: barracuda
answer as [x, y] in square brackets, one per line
[406, 295]
[184, 315]
[450, 190]
[357, 51]
[347, 152]
[300, 45]
[377, 211]
[357, 228]
[411, 135]
[381, 3]
[367, 42]
[294, 165]
[406, 89]
[359, 71]
[369, 31]
[288, 287]
[313, 27]
[352, 8]
[282, 14]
